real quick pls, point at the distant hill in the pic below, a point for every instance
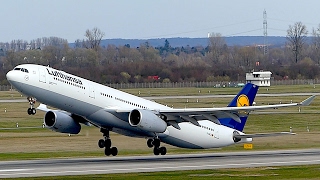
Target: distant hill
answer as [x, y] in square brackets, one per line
[275, 41]
[179, 42]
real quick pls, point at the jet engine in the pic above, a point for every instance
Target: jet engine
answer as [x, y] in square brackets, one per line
[61, 122]
[147, 121]
[235, 138]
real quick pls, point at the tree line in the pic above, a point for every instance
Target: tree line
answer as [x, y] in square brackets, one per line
[297, 59]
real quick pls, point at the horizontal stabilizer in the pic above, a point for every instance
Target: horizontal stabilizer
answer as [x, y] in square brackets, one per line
[263, 135]
[307, 101]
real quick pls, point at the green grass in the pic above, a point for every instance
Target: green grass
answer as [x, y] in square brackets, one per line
[10, 95]
[36, 143]
[42, 143]
[211, 91]
[266, 173]
[196, 91]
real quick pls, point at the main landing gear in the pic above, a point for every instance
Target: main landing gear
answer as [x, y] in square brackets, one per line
[106, 143]
[155, 143]
[32, 110]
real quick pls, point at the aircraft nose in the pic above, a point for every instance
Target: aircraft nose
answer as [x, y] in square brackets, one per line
[10, 76]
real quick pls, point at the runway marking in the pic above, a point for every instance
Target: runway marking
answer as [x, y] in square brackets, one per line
[148, 168]
[14, 170]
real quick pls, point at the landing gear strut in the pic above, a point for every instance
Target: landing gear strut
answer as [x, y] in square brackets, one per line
[31, 110]
[106, 143]
[155, 143]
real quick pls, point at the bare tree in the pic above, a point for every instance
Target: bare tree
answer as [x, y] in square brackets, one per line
[94, 37]
[216, 44]
[296, 36]
[316, 43]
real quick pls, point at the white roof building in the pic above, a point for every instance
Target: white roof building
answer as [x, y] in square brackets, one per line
[260, 78]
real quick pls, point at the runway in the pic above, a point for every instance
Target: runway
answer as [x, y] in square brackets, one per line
[107, 165]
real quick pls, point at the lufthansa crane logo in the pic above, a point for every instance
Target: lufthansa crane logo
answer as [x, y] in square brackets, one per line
[243, 100]
[26, 77]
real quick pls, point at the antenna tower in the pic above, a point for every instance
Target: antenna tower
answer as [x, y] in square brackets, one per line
[265, 32]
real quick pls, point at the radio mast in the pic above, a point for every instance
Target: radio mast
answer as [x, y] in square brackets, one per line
[265, 32]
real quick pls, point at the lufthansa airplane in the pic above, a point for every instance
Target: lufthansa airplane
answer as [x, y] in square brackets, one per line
[81, 101]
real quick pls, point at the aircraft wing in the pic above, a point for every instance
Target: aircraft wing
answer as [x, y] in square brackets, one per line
[223, 115]
[306, 102]
[192, 115]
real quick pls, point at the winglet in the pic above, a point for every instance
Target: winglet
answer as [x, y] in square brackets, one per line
[307, 101]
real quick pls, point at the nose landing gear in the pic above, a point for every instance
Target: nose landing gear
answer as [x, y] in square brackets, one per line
[32, 110]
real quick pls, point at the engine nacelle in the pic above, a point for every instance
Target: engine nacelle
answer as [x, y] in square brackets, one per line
[236, 139]
[61, 122]
[147, 120]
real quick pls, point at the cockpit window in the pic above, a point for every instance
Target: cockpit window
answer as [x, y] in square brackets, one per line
[21, 69]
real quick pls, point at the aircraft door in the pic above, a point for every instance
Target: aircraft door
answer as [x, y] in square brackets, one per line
[216, 132]
[42, 76]
[91, 93]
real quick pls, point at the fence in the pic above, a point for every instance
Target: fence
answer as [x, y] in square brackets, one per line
[206, 84]
[5, 88]
[192, 84]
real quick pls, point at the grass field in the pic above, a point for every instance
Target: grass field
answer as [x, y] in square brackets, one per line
[32, 143]
[35, 143]
[268, 173]
[207, 91]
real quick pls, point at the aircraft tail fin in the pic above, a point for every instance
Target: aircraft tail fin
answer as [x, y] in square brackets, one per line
[244, 98]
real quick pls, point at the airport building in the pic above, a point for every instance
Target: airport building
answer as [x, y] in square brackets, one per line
[260, 78]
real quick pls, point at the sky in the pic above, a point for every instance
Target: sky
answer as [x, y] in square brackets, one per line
[148, 19]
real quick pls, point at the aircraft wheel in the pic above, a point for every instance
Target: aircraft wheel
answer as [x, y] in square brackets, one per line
[156, 151]
[114, 151]
[29, 111]
[33, 111]
[101, 143]
[156, 142]
[150, 143]
[163, 150]
[107, 151]
[107, 143]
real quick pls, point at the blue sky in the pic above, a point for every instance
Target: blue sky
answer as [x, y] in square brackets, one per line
[144, 19]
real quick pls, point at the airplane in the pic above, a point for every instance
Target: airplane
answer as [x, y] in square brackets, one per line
[81, 101]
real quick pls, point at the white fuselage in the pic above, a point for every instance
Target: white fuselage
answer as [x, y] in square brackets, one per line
[90, 100]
